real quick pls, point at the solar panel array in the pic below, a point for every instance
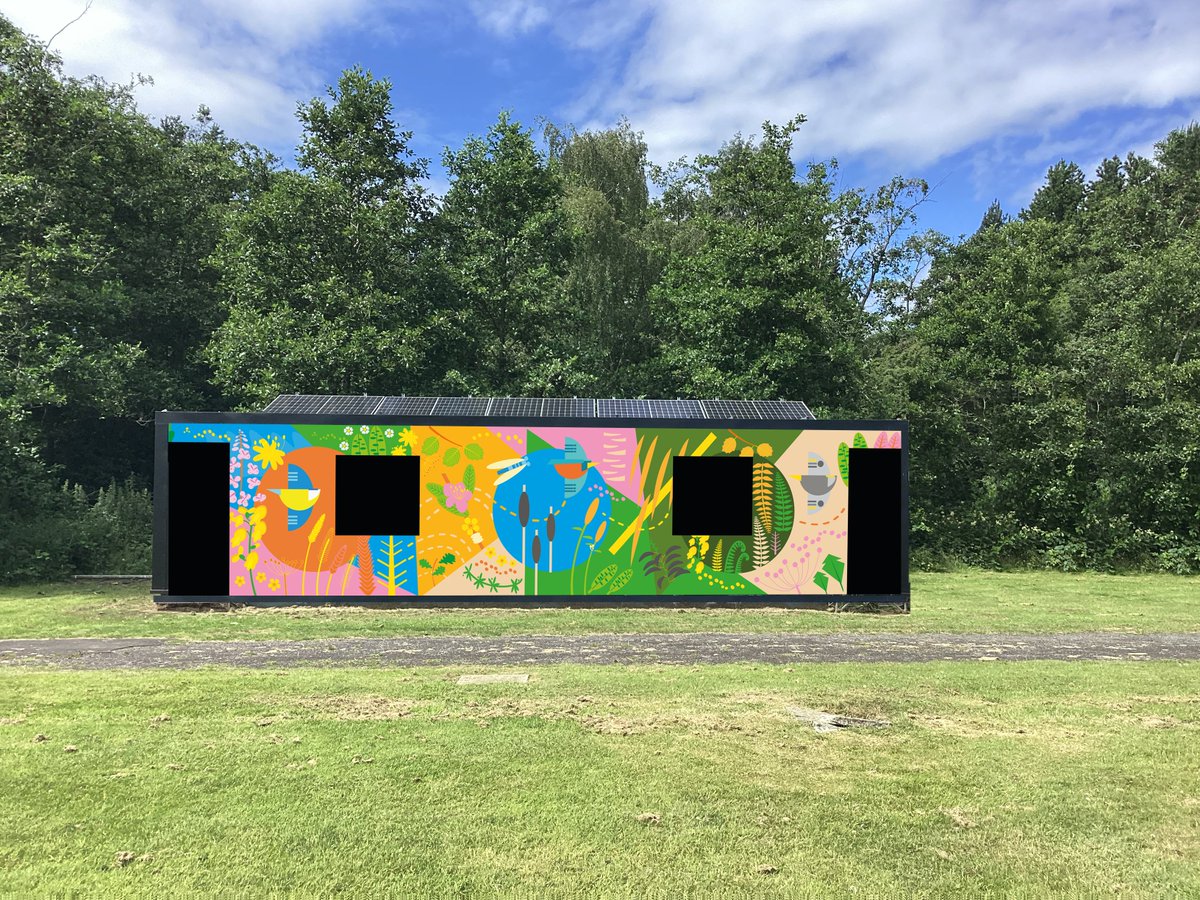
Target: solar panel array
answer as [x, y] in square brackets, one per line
[536, 407]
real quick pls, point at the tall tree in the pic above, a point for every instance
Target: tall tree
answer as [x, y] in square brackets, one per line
[505, 251]
[752, 302]
[323, 270]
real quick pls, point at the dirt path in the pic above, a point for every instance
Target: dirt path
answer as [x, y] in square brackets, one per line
[678, 649]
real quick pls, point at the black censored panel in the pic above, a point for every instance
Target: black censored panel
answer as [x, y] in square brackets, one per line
[198, 519]
[873, 554]
[712, 495]
[377, 495]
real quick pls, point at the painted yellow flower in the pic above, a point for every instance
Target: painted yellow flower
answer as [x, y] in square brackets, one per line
[729, 446]
[257, 514]
[260, 577]
[747, 451]
[398, 451]
[765, 450]
[273, 584]
[252, 560]
[240, 580]
[258, 531]
[407, 437]
[502, 561]
[490, 551]
[238, 537]
[268, 453]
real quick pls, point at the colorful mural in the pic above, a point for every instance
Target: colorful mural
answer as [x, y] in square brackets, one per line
[534, 511]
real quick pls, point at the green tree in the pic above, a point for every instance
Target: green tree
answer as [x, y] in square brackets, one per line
[752, 301]
[505, 247]
[323, 270]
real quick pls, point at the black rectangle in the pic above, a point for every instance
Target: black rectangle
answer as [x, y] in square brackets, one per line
[712, 495]
[198, 519]
[377, 495]
[874, 555]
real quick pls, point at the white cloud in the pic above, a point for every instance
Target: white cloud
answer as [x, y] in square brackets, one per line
[241, 58]
[911, 81]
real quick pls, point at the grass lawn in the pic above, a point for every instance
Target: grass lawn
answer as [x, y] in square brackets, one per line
[956, 602]
[1030, 779]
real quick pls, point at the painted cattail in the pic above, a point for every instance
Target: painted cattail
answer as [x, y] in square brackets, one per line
[523, 507]
[600, 530]
[550, 537]
[536, 549]
[591, 512]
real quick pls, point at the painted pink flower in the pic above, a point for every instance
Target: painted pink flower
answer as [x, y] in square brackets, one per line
[457, 496]
[252, 469]
[260, 497]
[252, 483]
[232, 497]
[243, 453]
[243, 499]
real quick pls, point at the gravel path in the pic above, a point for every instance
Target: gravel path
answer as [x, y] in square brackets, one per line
[526, 650]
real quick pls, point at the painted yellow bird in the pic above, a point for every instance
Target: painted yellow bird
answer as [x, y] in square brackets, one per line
[297, 498]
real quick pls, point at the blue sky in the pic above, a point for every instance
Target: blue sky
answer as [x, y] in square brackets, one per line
[978, 97]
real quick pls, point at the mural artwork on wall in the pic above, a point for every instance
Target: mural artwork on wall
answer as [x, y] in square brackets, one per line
[538, 511]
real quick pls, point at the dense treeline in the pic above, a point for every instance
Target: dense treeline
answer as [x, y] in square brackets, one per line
[1049, 363]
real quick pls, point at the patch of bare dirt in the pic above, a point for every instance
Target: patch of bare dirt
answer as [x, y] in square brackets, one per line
[357, 708]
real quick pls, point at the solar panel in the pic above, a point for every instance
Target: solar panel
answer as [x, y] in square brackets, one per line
[550, 407]
[516, 406]
[729, 409]
[675, 409]
[782, 409]
[623, 409]
[403, 407]
[461, 406]
[306, 404]
[349, 405]
[569, 407]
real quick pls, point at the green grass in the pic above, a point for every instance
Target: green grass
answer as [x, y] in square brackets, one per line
[958, 602]
[1029, 779]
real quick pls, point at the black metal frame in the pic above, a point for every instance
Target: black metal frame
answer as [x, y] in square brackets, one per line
[160, 578]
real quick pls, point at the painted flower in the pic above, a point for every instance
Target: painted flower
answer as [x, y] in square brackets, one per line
[344, 446]
[257, 514]
[457, 496]
[729, 446]
[260, 497]
[252, 469]
[240, 580]
[273, 584]
[389, 433]
[243, 499]
[747, 451]
[243, 454]
[502, 561]
[470, 524]
[252, 483]
[348, 430]
[408, 438]
[252, 560]
[365, 429]
[765, 450]
[398, 451]
[232, 497]
[260, 577]
[490, 551]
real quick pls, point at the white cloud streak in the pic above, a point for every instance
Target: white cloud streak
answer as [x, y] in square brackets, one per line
[244, 59]
[909, 81]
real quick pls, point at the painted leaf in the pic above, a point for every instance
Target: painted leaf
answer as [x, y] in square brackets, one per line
[844, 462]
[450, 457]
[821, 580]
[603, 578]
[620, 581]
[424, 564]
[835, 567]
[430, 446]
[860, 442]
[469, 478]
[761, 555]
[447, 559]
[437, 490]
[784, 506]
[473, 451]
[440, 570]
[736, 556]
[764, 493]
